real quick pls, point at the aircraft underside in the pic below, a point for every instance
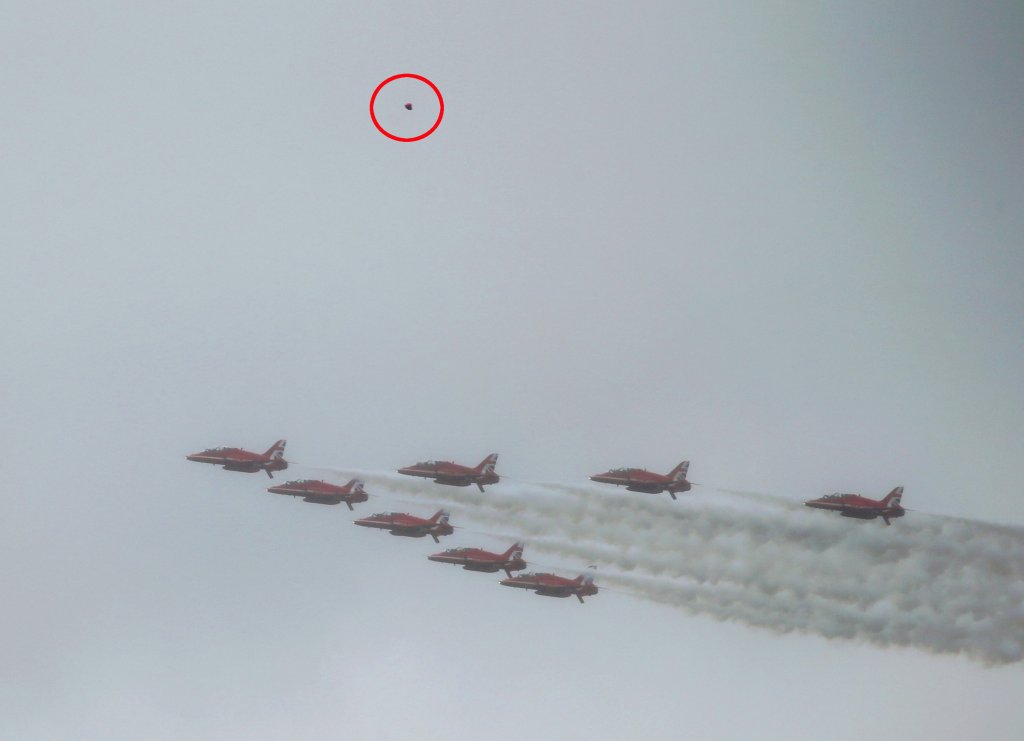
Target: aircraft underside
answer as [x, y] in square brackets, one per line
[860, 515]
[871, 515]
[242, 467]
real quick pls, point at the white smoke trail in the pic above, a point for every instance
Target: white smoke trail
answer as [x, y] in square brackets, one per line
[941, 584]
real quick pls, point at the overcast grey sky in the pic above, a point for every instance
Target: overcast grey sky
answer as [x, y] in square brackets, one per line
[782, 242]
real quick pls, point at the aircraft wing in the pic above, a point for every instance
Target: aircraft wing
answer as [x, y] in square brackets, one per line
[862, 512]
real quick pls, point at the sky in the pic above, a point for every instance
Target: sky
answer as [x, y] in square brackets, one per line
[783, 243]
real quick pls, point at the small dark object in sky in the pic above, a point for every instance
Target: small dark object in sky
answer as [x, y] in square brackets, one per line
[408, 106]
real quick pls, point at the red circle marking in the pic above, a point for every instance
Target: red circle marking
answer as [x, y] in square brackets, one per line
[428, 132]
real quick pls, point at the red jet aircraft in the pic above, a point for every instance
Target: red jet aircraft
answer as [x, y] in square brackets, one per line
[549, 585]
[236, 459]
[320, 492]
[637, 479]
[475, 559]
[452, 474]
[399, 523]
[854, 505]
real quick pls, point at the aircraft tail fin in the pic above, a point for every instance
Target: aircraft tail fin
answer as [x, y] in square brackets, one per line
[892, 499]
[357, 485]
[439, 520]
[276, 451]
[487, 464]
[514, 553]
[679, 472]
[584, 580]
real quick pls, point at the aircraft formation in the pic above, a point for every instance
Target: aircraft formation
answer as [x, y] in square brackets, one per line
[448, 473]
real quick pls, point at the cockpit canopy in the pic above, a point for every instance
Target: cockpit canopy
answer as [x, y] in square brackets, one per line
[837, 495]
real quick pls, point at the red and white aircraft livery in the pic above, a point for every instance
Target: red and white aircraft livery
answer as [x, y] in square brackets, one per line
[854, 505]
[549, 585]
[399, 523]
[320, 492]
[637, 479]
[236, 459]
[452, 474]
[476, 559]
